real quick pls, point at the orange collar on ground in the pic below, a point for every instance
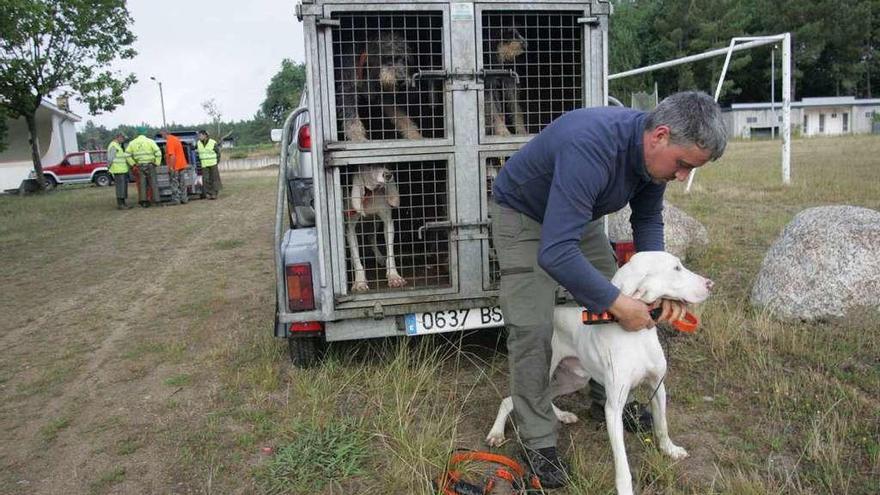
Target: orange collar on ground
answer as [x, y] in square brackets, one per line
[450, 482]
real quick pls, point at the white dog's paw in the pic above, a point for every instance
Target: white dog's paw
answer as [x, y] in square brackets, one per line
[502, 130]
[567, 417]
[675, 452]
[395, 280]
[412, 134]
[495, 438]
[360, 286]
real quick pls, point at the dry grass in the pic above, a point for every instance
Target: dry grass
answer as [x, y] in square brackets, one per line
[138, 345]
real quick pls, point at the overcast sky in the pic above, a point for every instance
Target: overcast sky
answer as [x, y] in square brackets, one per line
[201, 49]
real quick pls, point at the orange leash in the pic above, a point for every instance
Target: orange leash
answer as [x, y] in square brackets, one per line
[450, 482]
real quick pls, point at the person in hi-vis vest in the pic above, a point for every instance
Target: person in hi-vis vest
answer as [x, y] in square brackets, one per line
[145, 154]
[209, 156]
[117, 159]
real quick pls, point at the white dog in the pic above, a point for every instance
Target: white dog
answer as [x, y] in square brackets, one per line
[373, 194]
[619, 359]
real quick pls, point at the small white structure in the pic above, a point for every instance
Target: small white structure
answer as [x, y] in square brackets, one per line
[826, 116]
[57, 135]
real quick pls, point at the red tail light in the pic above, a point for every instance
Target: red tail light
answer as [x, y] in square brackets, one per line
[304, 138]
[300, 293]
[624, 251]
[306, 326]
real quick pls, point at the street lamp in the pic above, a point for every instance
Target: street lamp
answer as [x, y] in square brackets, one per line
[161, 99]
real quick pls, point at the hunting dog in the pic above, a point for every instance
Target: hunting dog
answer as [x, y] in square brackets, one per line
[373, 194]
[502, 91]
[619, 359]
[382, 67]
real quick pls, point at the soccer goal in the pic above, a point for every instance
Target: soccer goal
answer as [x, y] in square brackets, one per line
[738, 44]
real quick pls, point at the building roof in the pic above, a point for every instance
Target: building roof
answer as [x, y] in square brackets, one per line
[60, 111]
[824, 101]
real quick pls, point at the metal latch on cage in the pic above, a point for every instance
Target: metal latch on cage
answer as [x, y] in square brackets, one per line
[456, 234]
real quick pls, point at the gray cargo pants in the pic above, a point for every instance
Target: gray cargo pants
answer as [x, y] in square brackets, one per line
[121, 183]
[147, 178]
[527, 301]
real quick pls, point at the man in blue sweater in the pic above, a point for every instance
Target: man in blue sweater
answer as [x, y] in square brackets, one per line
[549, 199]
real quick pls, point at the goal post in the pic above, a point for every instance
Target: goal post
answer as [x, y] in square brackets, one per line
[738, 44]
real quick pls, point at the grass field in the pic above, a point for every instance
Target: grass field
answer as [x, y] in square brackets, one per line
[136, 356]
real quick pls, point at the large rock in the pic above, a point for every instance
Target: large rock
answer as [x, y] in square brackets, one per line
[825, 263]
[684, 234]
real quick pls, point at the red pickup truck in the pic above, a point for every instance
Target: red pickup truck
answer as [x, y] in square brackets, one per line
[81, 167]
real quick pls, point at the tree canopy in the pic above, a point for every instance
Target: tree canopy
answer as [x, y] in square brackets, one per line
[284, 91]
[833, 43]
[50, 47]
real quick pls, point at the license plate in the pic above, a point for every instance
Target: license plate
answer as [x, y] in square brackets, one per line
[452, 320]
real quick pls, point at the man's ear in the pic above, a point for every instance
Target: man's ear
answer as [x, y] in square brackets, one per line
[659, 134]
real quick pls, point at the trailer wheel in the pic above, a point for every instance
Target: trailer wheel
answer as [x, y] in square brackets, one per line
[306, 352]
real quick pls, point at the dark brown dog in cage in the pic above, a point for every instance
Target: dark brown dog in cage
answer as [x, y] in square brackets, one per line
[502, 91]
[373, 194]
[381, 67]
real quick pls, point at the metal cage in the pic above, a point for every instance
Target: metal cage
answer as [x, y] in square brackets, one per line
[434, 133]
[414, 197]
[380, 64]
[532, 61]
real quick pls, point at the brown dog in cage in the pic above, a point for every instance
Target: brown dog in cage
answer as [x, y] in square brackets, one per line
[373, 194]
[502, 91]
[382, 67]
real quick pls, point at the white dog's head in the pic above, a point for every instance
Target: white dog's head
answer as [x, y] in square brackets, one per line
[652, 275]
[375, 176]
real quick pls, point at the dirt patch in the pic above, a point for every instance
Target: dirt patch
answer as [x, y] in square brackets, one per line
[91, 373]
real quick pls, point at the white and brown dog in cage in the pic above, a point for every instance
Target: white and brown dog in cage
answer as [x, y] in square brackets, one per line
[373, 194]
[502, 91]
[383, 66]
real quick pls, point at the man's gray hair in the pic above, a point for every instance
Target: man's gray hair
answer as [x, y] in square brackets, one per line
[693, 118]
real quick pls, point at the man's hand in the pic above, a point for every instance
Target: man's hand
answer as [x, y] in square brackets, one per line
[632, 314]
[672, 310]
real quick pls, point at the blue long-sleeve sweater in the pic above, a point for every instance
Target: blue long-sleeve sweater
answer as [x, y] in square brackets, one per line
[585, 164]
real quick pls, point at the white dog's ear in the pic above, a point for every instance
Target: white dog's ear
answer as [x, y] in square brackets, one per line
[636, 284]
[392, 195]
[632, 287]
[357, 194]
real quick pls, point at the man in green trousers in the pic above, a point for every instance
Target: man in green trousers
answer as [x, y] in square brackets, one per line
[145, 154]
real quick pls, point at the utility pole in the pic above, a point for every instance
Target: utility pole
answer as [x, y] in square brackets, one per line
[161, 100]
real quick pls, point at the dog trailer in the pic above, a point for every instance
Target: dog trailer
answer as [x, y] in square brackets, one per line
[411, 109]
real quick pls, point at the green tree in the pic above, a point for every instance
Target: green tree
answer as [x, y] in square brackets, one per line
[93, 137]
[3, 129]
[49, 46]
[284, 91]
[629, 28]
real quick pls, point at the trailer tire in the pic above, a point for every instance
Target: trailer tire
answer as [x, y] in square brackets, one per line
[306, 352]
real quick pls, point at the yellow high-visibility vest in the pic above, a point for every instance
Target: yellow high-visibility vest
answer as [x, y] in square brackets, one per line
[119, 165]
[207, 152]
[143, 150]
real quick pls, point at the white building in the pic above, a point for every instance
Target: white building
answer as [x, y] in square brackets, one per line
[826, 116]
[57, 136]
